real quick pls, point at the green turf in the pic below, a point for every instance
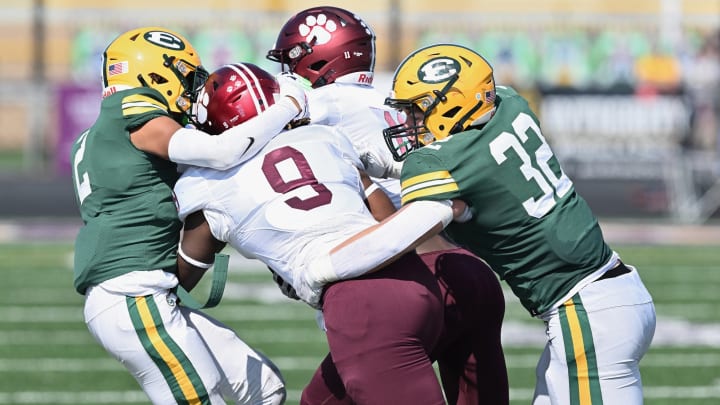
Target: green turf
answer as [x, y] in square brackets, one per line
[48, 357]
[11, 160]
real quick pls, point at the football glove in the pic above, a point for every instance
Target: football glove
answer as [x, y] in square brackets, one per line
[309, 292]
[379, 164]
[286, 288]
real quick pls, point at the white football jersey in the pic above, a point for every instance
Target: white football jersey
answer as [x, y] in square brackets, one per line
[360, 112]
[296, 199]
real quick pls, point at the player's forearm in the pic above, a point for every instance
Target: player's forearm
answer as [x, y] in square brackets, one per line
[381, 244]
[235, 145]
[189, 275]
[196, 251]
[377, 201]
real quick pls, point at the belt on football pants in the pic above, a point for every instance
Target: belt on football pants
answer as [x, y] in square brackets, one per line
[618, 270]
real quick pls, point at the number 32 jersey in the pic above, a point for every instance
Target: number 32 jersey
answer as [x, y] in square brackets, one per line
[297, 198]
[528, 222]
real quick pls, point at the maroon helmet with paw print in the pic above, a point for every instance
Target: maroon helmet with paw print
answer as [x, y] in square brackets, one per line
[233, 94]
[326, 44]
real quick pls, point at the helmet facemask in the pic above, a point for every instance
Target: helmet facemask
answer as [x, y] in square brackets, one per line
[288, 58]
[405, 137]
[410, 135]
[192, 79]
[452, 85]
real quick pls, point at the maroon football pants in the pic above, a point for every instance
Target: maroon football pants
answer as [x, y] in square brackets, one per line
[469, 353]
[380, 329]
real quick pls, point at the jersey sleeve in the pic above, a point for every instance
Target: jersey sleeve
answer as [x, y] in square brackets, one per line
[346, 148]
[191, 191]
[323, 107]
[140, 107]
[426, 177]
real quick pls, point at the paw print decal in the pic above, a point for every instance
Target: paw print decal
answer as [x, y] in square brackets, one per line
[320, 28]
[199, 107]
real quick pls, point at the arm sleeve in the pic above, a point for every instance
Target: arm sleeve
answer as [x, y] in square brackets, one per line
[235, 145]
[394, 236]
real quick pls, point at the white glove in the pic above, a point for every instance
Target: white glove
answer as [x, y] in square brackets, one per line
[310, 293]
[320, 319]
[380, 165]
[295, 86]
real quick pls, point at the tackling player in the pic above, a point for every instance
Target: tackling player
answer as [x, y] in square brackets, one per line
[337, 57]
[124, 169]
[467, 139]
[293, 206]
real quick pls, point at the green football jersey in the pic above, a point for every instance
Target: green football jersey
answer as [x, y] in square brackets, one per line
[124, 194]
[528, 222]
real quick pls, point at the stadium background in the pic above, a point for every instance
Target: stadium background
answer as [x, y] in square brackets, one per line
[627, 92]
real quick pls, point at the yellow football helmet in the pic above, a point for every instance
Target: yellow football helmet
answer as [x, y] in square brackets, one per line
[158, 58]
[450, 86]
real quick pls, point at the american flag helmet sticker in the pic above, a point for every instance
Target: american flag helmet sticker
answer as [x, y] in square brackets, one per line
[490, 96]
[117, 68]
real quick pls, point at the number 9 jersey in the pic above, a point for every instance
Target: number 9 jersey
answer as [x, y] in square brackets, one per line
[301, 194]
[528, 222]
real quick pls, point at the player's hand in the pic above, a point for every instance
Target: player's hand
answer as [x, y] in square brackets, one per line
[379, 164]
[461, 211]
[294, 86]
[310, 293]
[286, 288]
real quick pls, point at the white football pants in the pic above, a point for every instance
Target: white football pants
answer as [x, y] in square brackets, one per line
[180, 355]
[595, 342]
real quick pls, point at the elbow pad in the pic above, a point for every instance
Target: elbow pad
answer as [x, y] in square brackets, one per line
[395, 235]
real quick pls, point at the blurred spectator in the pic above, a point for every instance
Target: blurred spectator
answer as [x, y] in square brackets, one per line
[612, 56]
[565, 58]
[86, 51]
[222, 46]
[658, 71]
[702, 78]
[514, 56]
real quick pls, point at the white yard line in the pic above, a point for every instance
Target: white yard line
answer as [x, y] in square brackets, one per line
[670, 332]
[134, 397]
[305, 363]
[615, 231]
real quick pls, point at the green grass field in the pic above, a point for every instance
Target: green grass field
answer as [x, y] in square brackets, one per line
[48, 357]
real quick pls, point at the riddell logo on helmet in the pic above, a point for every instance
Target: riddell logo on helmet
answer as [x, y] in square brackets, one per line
[363, 78]
[110, 90]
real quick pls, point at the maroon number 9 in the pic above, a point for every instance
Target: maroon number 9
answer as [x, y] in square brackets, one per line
[307, 178]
